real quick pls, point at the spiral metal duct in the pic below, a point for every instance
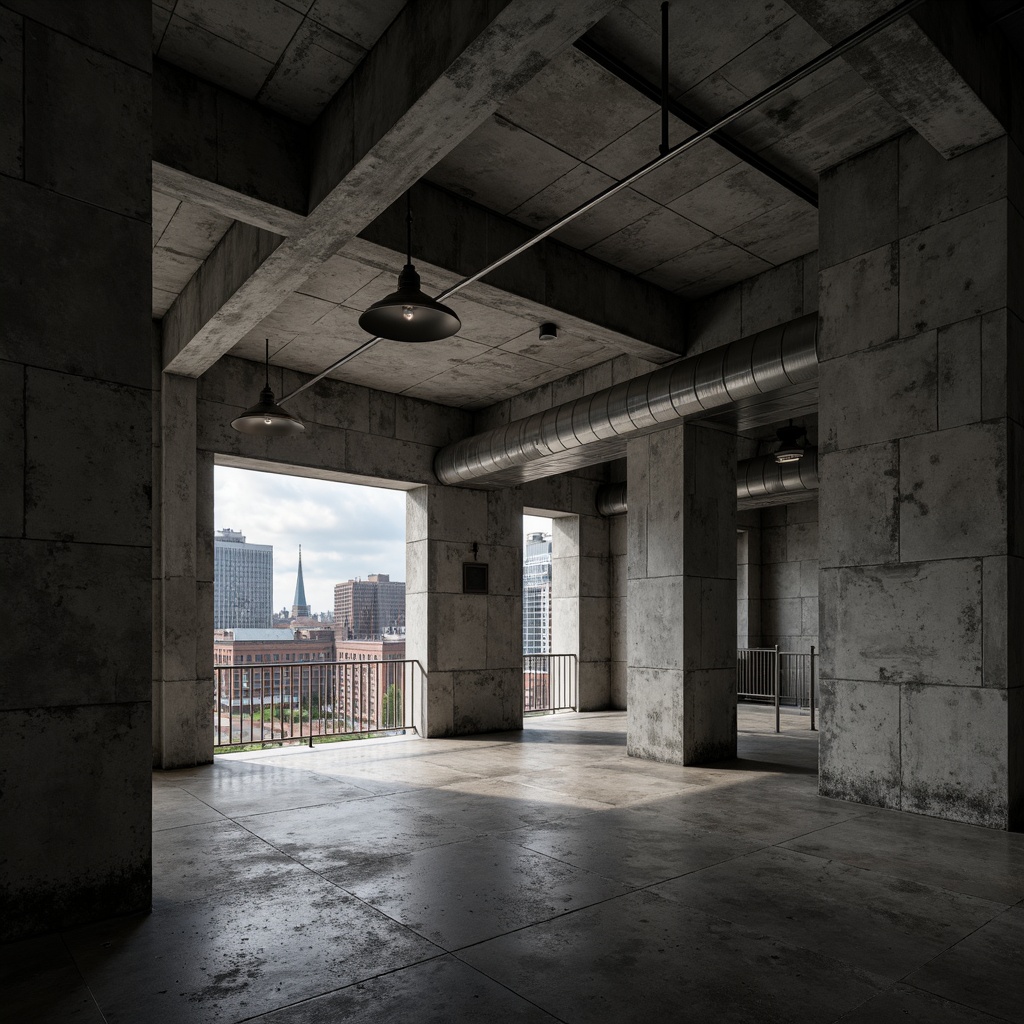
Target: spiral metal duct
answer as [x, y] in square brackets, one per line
[762, 478]
[599, 424]
[759, 481]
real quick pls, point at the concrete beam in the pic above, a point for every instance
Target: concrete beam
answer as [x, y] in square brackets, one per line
[388, 125]
[458, 237]
[945, 98]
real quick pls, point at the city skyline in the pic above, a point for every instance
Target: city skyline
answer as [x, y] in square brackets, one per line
[346, 530]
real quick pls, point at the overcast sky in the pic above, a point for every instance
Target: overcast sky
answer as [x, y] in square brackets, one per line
[345, 530]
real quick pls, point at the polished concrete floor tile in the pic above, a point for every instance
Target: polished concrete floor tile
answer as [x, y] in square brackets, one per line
[349, 840]
[883, 925]
[504, 803]
[963, 858]
[233, 791]
[441, 991]
[761, 810]
[399, 775]
[903, 1004]
[640, 958]
[612, 788]
[984, 971]
[41, 984]
[173, 807]
[466, 892]
[228, 958]
[197, 862]
[632, 847]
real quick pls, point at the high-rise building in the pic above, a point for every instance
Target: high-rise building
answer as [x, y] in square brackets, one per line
[300, 607]
[537, 594]
[243, 582]
[366, 609]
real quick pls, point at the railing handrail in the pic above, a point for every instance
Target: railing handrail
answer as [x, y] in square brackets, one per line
[760, 677]
[309, 700]
[564, 681]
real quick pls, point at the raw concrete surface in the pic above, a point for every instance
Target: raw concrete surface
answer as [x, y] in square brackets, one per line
[541, 876]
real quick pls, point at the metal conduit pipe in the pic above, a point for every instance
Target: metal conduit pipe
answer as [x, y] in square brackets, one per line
[752, 366]
[756, 479]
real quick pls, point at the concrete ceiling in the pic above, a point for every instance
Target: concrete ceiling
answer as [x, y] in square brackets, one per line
[291, 56]
[564, 132]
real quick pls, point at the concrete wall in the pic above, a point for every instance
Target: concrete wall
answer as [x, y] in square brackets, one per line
[469, 645]
[921, 441]
[789, 577]
[76, 401]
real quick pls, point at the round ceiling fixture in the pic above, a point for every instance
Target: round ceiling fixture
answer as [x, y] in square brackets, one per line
[409, 314]
[549, 332]
[266, 417]
[790, 449]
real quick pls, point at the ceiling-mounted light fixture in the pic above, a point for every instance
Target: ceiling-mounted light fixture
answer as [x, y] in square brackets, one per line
[409, 314]
[266, 417]
[548, 332]
[790, 449]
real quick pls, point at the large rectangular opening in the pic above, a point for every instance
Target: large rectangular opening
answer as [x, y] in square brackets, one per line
[309, 611]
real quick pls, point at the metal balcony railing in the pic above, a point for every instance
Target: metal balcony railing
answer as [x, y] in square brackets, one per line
[766, 675]
[275, 704]
[550, 683]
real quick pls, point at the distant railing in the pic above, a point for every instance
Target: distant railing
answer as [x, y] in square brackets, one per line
[264, 704]
[550, 683]
[766, 675]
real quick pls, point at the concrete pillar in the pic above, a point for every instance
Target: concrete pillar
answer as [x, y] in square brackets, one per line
[183, 586]
[748, 579]
[922, 575]
[75, 437]
[580, 610]
[681, 525]
[470, 646]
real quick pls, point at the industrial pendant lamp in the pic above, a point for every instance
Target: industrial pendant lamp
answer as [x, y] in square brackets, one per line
[789, 450]
[409, 314]
[266, 417]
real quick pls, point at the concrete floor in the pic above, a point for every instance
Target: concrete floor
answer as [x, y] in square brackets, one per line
[537, 877]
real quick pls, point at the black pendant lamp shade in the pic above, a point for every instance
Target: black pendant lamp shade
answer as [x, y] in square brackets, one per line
[266, 417]
[409, 314]
[790, 449]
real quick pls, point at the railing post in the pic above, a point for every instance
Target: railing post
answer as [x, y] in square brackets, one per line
[813, 726]
[776, 666]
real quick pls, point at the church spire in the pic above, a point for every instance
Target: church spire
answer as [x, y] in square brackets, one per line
[300, 610]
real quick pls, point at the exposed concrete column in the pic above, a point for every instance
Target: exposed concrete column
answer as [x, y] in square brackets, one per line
[75, 460]
[922, 579]
[470, 646]
[580, 622]
[681, 525]
[748, 579]
[183, 592]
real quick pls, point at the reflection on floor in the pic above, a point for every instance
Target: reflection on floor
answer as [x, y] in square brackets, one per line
[542, 876]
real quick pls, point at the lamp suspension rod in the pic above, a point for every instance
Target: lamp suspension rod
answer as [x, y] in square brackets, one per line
[664, 79]
[408, 226]
[266, 359]
[822, 60]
